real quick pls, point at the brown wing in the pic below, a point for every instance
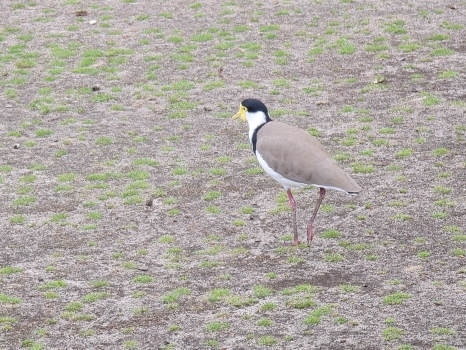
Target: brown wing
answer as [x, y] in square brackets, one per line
[298, 156]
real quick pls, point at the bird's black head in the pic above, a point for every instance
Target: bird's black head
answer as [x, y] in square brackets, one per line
[254, 105]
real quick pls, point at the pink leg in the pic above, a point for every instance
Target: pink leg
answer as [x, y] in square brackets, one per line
[310, 227]
[293, 209]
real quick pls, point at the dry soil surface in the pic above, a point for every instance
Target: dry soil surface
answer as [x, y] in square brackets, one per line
[135, 215]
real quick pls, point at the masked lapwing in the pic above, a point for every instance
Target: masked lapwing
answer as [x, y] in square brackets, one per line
[293, 157]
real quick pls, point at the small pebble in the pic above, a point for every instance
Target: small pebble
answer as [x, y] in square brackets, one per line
[92, 22]
[16, 146]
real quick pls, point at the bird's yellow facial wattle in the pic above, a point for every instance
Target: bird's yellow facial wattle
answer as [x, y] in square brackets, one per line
[241, 113]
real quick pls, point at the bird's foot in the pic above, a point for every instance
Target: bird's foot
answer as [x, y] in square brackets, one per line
[296, 242]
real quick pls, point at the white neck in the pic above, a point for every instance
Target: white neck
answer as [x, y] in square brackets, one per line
[255, 120]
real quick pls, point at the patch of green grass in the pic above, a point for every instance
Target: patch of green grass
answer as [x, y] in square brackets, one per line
[202, 37]
[452, 229]
[362, 168]
[442, 190]
[213, 210]
[6, 322]
[32, 344]
[240, 301]
[167, 15]
[25, 190]
[28, 178]
[301, 288]
[392, 333]
[438, 37]
[218, 294]
[98, 283]
[439, 152]
[94, 215]
[356, 246]
[376, 47]
[396, 298]
[333, 257]
[206, 264]
[60, 153]
[395, 27]
[268, 306]
[6, 299]
[174, 295]
[254, 171]
[262, 291]
[67, 177]
[439, 215]
[131, 344]
[212, 343]
[442, 51]
[265, 322]
[410, 47]
[451, 26]
[266, 340]
[87, 333]
[216, 84]
[424, 254]
[331, 234]
[301, 302]
[216, 326]
[9, 270]
[401, 217]
[138, 175]
[316, 315]
[449, 74]
[5, 169]
[444, 347]
[94, 296]
[104, 140]
[295, 260]
[211, 195]
[43, 132]
[17, 219]
[24, 201]
[442, 331]
[166, 239]
[145, 161]
[404, 153]
[458, 251]
[143, 279]
[238, 223]
[345, 47]
[58, 217]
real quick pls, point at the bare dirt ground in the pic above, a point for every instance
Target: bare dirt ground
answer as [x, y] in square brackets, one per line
[134, 213]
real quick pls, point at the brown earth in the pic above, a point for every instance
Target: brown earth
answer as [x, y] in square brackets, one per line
[381, 83]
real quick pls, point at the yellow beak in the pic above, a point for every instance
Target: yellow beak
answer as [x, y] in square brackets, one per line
[241, 113]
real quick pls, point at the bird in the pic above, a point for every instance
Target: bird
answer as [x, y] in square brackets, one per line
[294, 158]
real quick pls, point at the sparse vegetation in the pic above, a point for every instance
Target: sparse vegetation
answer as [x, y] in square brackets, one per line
[130, 199]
